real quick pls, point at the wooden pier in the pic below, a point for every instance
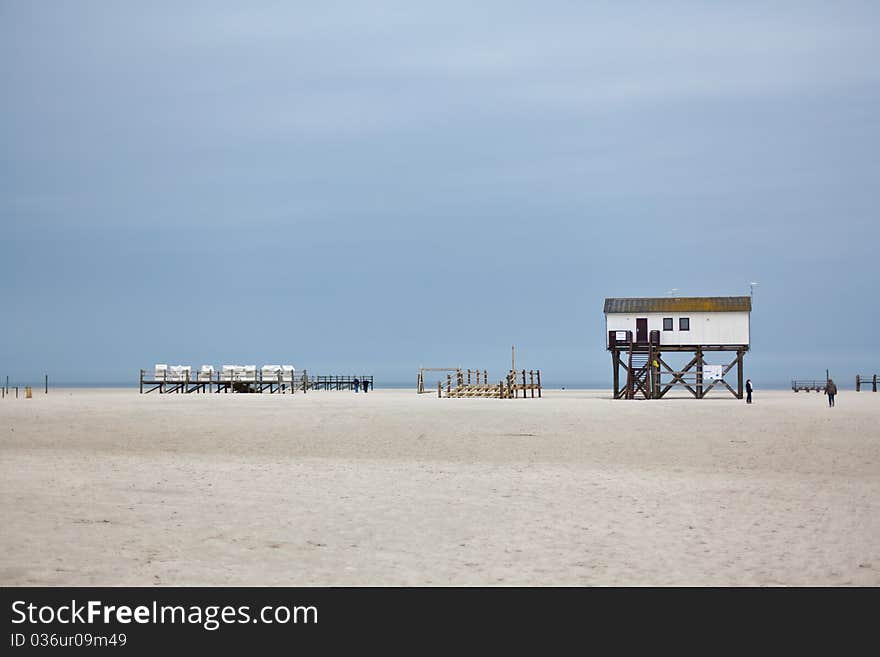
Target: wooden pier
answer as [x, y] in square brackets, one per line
[870, 379]
[345, 382]
[808, 385]
[256, 381]
[218, 382]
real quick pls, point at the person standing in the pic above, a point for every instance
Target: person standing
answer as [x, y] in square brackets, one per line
[365, 384]
[748, 391]
[831, 390]
[357, 384]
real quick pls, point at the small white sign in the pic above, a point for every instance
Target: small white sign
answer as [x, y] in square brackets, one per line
[712, 372]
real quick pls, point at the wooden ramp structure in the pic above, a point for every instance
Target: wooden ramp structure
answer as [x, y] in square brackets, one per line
[517, 384]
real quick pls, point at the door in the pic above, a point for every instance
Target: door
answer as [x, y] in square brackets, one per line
[642, 329]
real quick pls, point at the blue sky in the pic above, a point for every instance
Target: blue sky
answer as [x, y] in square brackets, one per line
[378, 186]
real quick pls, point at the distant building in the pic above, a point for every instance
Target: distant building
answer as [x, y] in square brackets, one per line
[640, 329]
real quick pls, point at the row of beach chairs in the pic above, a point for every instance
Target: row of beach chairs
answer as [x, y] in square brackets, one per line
[241, 373]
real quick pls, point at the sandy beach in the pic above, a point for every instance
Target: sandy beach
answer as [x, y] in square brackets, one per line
[108, 487]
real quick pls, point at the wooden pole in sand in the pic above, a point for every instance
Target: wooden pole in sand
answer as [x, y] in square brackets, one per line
[46, 380]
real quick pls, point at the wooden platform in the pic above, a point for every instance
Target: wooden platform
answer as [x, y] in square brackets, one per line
[218, 383]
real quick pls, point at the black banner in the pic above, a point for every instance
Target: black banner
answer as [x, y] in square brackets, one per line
[154, 619]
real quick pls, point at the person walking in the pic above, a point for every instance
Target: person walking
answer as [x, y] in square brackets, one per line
[831, 390]
[365, 384]
[357, 384]
[748, 391]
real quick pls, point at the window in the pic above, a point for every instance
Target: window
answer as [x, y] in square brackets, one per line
[667, 323]
[684, 323]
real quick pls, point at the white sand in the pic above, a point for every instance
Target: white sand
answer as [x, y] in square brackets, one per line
[114, 488]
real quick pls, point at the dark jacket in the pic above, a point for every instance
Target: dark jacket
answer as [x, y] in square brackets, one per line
[748, 387]
[831, 388]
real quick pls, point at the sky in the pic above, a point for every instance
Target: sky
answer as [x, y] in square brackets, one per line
[373, 187]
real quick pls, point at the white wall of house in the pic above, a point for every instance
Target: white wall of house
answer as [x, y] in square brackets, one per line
[705, 327]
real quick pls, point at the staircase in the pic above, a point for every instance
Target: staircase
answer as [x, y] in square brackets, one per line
[638, 371]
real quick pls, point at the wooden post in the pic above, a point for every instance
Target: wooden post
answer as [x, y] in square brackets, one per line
[448, 384]
[46, 381]
[615, 368]
[538, 372]
[739, 374]
[858, 383]
[142, 383]
[512, 357]
[874, 389]
[524, 384]
[439, 389]
[700, 373]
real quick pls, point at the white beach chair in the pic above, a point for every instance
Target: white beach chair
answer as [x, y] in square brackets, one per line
[179, 372]
[270, 372]
[206, 373]
[227, 373]
[287, 373]
[160, 372]
[249, 373]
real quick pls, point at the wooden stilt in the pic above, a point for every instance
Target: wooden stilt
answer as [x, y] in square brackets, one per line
[699, 385]
[739, 374]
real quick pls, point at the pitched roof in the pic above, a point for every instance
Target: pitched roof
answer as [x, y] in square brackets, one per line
[678, 304]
